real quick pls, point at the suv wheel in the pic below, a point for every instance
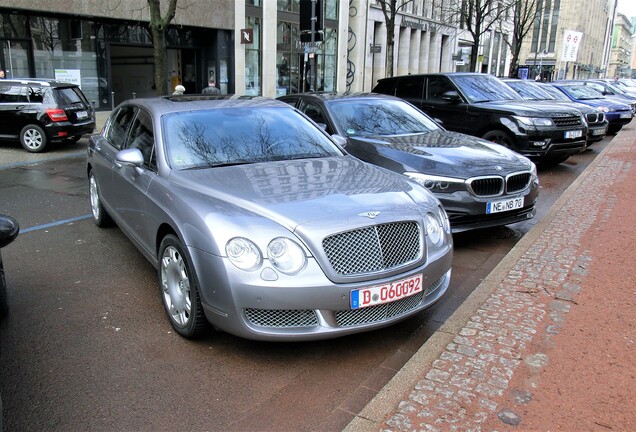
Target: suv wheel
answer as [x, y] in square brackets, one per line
[33, 139]
[499, 137]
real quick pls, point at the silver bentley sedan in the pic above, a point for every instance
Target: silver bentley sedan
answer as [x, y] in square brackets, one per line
[260, 224]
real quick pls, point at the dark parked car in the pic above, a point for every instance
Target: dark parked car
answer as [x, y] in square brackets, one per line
[480, 184]
[530, 90]
[41, 111]
[9, 229]
[617, 114]
[259, 223]
[484, 106]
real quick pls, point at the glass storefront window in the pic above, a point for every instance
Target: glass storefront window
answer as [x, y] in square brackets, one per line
[289, 5]
[13, 26]
[331, 9]
[253, 59]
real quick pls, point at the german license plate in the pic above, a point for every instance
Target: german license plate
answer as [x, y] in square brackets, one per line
[626, 116]
[386, 293]
[81, 115]
[574, 134]
[504, 205]
[598, 131]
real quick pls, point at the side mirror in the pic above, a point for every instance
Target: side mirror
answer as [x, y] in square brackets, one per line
[340, 140]
[129, 157]
[451, 96]
[9, 230]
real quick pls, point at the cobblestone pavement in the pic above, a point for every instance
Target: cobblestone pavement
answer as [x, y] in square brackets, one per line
[488, 365]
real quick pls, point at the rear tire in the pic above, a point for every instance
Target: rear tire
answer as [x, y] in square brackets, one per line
[33, 138]
[180, 289]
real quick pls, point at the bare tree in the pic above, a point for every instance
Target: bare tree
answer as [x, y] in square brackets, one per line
[524, 14]
[158, 28]
[478, 17]
[390, 8]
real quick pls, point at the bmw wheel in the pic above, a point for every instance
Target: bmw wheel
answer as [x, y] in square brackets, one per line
[100, 216]
[33, 138]
[179, 289]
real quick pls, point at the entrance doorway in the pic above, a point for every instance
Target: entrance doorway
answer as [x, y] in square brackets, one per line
[132, 72]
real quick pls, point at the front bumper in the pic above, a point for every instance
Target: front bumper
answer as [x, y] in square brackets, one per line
[466, 211]
[307, 306]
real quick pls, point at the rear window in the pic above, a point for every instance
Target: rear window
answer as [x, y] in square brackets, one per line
[68, 96]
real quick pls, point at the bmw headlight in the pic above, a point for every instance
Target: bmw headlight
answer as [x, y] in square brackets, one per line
[438, 184]
[243, 253]
[286, 255]
[534, 121]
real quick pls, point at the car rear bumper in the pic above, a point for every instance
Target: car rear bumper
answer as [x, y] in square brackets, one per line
[62, 130]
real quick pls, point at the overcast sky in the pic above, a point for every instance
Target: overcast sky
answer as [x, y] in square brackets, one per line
[627, 7]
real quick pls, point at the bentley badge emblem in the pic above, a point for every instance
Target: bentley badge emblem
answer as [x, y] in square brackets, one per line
[370, 215]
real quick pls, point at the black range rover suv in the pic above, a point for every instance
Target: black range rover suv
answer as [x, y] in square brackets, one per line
[39, 111]
[482, 105]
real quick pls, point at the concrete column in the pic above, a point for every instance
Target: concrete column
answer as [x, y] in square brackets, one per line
[270, 24]
[424, 52]
[239, 48]
[434, 53]
[379, 60]
[402, 50]
[414, 52]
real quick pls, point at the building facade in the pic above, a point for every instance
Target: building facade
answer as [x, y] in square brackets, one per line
[543, 53]
[252, 47]
[621, 54]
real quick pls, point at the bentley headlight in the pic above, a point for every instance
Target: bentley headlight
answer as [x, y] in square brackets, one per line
[286, 255]
[438, 184]
[534, 121]
[243, 253]
[434, 228]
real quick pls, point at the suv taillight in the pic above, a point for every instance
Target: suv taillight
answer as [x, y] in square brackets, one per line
[56, 115]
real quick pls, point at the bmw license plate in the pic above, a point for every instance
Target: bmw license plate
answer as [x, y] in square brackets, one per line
[504, 205]
[386, 293]
[81, 115]
[598, 131]
[574, 134]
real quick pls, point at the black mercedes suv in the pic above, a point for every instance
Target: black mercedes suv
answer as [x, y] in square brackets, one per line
[40, 111]
[484, 106]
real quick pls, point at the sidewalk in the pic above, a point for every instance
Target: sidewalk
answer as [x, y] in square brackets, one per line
[546, 341]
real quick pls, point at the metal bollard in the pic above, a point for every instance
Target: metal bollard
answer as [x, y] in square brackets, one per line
[112, 100]
[134, 95]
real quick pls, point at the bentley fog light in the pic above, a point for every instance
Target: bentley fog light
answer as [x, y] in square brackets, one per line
[243, 253]
[286, 255]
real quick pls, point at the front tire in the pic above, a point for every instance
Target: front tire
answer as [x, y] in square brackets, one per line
[100, 215]
[33, 139]
[179, 289]
[500, 137]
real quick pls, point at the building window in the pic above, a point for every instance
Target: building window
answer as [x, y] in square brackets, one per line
[253, 59]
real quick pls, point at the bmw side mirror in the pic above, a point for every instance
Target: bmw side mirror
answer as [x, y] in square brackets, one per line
[9, 230]
[340, 140]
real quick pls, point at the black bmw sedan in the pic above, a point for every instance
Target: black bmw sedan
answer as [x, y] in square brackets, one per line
[481, 184]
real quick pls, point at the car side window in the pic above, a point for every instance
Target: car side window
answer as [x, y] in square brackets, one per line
[437, 86]
[118, 129]
[314, 112]
[36, 94]
[13, 94]
[410, 88]
[142, 138]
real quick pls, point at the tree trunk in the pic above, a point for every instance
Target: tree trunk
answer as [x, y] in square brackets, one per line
[390, 45]
[161, 65]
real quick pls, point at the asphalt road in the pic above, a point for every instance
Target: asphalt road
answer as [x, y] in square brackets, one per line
[87, 345]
